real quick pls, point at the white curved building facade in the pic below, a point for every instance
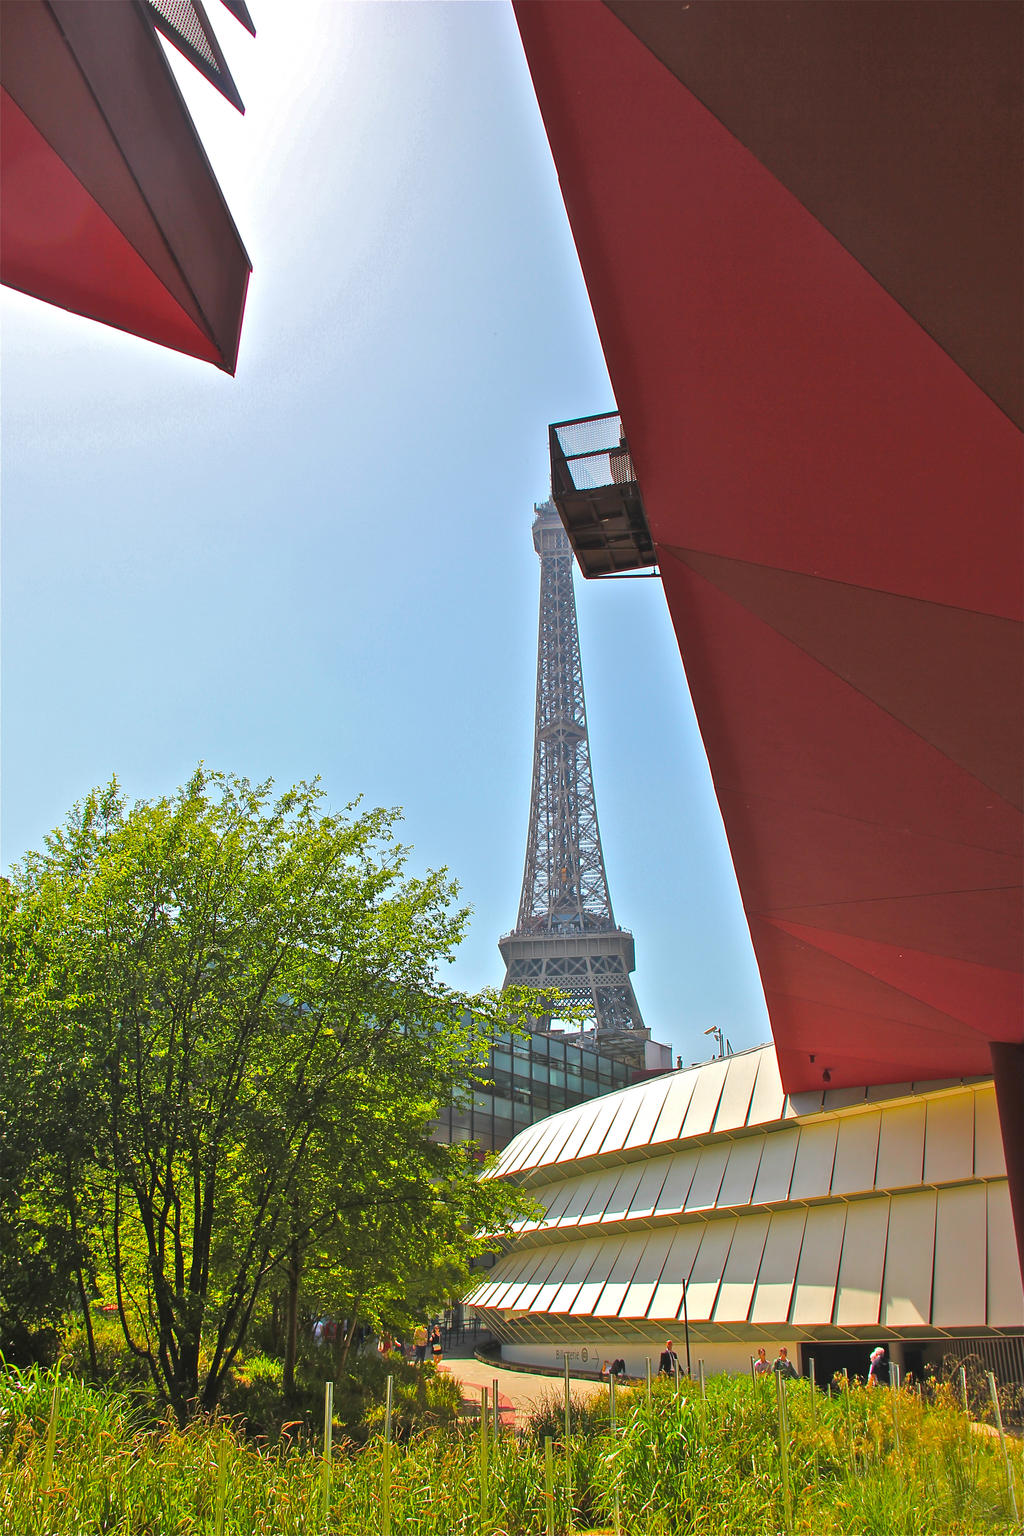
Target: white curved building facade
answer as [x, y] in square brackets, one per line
[709, 1201]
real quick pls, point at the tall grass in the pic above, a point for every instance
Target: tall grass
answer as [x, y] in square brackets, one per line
[75, 1460]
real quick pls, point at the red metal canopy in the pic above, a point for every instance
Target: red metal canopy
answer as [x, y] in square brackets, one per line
[800, 230]
[109, 206]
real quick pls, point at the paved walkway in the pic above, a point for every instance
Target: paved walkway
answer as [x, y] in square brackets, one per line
[520, 1393]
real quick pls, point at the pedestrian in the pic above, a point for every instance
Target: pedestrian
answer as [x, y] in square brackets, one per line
[784, 1366]
[436, 1348]
[878, 1373]
[762, 1367]
[419, 1344]
[669, 1361]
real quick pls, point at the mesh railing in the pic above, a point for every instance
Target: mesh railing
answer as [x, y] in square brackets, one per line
[590, 453]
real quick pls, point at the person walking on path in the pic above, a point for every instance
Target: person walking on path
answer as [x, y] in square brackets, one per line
[419, 1344]
[436, 1348]
[761, 1364]
[669, 1360]
[784, 1366]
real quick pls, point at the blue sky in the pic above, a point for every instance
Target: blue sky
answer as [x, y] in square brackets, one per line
[325, 565]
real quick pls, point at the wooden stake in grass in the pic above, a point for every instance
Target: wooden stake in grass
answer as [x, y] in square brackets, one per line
[648, 1383]
[963, 1386]
[1002, 1441]
[849, 1416]
[220, 1498]
[700, 1373]
[549, 1487]
[385, 1464]
[328, 1446]
[611, 1421]
[497, 1411]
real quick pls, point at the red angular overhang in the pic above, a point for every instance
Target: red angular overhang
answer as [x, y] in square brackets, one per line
[800, 230]
[109, 206]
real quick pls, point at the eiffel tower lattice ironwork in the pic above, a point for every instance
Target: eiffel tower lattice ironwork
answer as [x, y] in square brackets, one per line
[566, 935]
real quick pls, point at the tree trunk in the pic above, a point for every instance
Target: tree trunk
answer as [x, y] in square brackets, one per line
[291, 1325]
[343, 1349]
[87, 1319]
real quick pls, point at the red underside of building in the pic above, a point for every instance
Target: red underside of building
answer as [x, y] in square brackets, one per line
[800, 229]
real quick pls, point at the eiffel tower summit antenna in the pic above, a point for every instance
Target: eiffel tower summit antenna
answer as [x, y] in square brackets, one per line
[566, 936]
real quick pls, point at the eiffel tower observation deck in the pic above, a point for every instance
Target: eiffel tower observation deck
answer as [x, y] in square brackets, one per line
[566, 935]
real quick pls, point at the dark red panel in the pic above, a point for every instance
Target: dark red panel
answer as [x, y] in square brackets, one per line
[899, 126]
[781, 407]
[59, 245]
[955, 678]
[985, 999]
[837, 511]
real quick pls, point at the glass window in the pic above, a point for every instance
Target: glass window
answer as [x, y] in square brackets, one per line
[503, 1107]
[541, 1073]
[557, 1078]
[521, 1068]
[501, 1061]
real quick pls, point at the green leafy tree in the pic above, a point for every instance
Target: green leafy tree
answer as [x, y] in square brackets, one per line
[243, 991]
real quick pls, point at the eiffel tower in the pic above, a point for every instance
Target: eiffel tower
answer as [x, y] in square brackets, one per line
[566, 935]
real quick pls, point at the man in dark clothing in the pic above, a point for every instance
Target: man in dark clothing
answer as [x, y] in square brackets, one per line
[668, 1361]
[784, 1366]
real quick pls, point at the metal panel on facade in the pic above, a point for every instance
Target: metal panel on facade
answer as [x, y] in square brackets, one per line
[768, 1099]
[648, 1191]
[625, 1189]
[569, 1150]
[584, 1256]
[554, 1279]
[741, 1171]
[853, 1171]
[557, 1198]
[707, 1180]
[605, 1111]
[961, 1257]
[531, 1289]
[629, 1106]
[989, 1160]
[598, 1273]
[508, 1295]
[1005, 1300]
[949, 1139]
[776, 1169]
[741, 1268]
[734, 1104]
[586, 1189]
[774, 1288]
[620, 1279]
[673, 1111]
[909, 1254]
[647, 1274]
[647, 1114]
[596, 1206]
[668, 1297]
[900, 1147]
[678, 1179]
[706, 1274]
[816, 1153]
[814, 1293]
[700, 1116]
[859, 1289]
